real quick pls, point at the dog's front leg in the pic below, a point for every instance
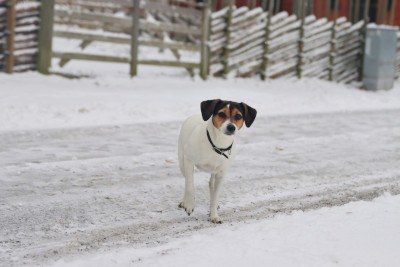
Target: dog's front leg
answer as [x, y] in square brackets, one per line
[215, 186]
[188, 199]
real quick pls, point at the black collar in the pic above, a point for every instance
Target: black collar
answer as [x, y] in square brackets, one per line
[219, 150]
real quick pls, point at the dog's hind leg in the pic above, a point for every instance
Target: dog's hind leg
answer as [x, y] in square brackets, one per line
[214, 199]
[188, 199]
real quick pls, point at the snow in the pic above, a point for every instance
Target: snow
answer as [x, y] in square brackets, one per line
[356, 234]
[34, 101]
[89, 175]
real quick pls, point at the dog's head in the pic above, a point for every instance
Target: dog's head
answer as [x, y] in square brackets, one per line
[228, 116]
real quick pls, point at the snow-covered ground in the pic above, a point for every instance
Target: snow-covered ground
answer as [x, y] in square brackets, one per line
[32, 101]
[356, 234]
[89, 175]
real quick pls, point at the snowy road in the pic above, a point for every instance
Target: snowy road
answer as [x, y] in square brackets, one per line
[69, 191]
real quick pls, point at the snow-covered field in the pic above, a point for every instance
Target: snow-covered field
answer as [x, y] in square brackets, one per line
[89, 175]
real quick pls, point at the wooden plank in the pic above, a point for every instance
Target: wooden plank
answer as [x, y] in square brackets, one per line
[126, 22]
[45, 36]
[164, 63]
[173, 10]
[126, 40]
[11, 23]
[81, 56]
[135, 38]
[103, 58]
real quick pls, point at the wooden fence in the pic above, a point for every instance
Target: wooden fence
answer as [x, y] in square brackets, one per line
[247, 42]
[230, 42]
[18, 35]
[126, 22]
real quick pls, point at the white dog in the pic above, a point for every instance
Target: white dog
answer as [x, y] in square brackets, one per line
[207, 142]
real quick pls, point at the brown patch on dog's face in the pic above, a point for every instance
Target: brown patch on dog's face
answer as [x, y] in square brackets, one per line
[231, 113]
[237, 118]
[221, 116]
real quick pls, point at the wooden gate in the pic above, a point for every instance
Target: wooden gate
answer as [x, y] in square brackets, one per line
[126, 22]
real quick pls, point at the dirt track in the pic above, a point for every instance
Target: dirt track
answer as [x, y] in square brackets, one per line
[70, 191]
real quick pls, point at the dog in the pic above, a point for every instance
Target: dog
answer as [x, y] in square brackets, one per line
[207, 143]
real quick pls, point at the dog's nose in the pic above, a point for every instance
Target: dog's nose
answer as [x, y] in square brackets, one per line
[231, 128]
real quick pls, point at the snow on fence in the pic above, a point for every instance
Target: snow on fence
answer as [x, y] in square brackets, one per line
[153, 24]
[18, 35]
[245, 42]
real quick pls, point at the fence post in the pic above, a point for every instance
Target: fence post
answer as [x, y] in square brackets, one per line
[383, 12]
[264, 64]
[392, 8]
[205, 51]
[11, 23]
[362, 33]
[350, 11]
[301, 40]
[228, 37]
[356, 16]
[333, 41]
[45, 36]
[327, 8]
[135, 37]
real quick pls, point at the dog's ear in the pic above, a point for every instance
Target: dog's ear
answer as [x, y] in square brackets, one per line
[207, 108]
[249, 114]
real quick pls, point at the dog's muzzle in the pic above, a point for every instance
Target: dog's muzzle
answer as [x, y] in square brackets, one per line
[230, 129]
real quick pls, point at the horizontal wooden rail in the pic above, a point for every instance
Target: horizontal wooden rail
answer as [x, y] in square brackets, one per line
[127, 22]
[125, 40]
[92, 57]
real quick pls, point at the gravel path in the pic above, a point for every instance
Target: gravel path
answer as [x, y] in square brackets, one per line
[65, 192]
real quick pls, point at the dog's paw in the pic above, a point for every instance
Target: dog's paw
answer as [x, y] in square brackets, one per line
[188, 207]
[216, 220]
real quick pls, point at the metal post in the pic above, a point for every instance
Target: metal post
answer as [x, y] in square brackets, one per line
[135, 37]
[45, 36]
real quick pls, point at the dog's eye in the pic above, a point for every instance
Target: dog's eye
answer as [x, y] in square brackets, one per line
[237, 117]
[222, 115]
